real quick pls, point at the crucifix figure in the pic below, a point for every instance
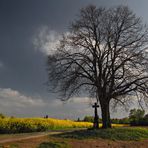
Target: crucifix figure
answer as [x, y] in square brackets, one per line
[96, 118]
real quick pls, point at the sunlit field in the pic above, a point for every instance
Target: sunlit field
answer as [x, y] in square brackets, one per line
[23, 125]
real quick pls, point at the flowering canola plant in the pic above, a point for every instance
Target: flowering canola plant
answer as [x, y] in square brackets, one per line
[23, 125]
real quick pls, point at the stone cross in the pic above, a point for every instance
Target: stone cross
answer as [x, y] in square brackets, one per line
[96, 118]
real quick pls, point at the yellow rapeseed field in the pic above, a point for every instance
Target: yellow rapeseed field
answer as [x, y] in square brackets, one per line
[21, 125]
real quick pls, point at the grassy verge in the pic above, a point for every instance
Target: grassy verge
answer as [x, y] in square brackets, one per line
[113, 134]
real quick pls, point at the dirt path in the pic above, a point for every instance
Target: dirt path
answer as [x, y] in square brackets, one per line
[26, 137]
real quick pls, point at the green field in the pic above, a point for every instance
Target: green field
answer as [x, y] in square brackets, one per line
[125, 133]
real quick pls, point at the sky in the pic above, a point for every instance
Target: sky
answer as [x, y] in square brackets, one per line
[29, 31]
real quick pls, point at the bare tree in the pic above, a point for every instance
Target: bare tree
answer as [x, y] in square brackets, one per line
[104, 55]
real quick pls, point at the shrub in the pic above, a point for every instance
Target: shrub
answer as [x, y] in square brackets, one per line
[2, 116]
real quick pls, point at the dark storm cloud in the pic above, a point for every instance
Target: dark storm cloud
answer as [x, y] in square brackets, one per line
[19, 20]
[22, 68]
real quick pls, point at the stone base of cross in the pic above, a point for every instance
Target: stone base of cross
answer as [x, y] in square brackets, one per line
[96, 117]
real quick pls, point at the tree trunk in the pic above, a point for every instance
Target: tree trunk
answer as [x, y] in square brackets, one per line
[105, 115]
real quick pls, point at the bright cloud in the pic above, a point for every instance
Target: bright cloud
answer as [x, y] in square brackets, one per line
[46, 40]
[10, 97]
[14, 103]
[85, 100]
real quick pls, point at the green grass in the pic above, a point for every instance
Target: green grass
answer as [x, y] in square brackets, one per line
[54, 145]
[113, 134]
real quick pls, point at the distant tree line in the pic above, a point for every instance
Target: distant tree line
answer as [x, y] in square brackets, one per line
[137, 117]
[113, 120]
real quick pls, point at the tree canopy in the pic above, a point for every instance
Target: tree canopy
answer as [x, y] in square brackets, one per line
[104, 55]
[136, 114]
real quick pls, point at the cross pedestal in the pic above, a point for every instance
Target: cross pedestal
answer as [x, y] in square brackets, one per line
[96, 117]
